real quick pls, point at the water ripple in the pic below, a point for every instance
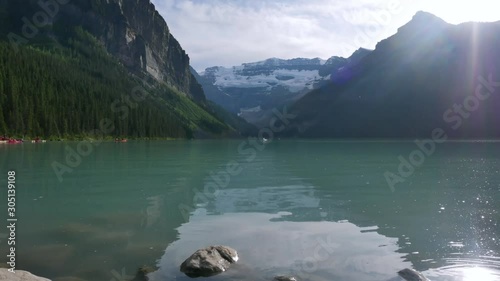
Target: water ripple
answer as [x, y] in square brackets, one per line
[482, 268]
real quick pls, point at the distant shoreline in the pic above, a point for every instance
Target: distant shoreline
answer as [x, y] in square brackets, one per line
[112, 139]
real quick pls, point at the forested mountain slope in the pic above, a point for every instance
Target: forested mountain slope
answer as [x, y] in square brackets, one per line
[96, 60]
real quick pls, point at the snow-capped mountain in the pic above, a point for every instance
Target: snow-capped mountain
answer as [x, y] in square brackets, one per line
[251, 89]
[266, 76]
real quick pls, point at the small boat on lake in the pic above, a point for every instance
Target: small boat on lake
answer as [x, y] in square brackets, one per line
[14, 141]
[5, 139]
[120, 140]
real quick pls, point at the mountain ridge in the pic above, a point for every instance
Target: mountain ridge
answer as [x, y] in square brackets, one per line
[253, 89]
[405, 86]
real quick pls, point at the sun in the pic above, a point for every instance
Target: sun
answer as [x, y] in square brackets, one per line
[456, 12]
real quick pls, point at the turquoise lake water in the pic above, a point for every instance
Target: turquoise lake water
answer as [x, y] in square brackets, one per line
[319, 210]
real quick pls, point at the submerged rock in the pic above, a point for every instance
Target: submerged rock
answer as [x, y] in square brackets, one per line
[411, 275]
[19, 275]
[285, 278]
[142, 273]
[209, 261]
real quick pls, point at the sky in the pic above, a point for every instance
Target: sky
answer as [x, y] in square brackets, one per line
[231, 32]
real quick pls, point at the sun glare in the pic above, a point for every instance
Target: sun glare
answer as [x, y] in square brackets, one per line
[478, 274]
[463, 11]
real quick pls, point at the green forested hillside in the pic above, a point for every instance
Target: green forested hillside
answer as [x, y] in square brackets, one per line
[64, 90]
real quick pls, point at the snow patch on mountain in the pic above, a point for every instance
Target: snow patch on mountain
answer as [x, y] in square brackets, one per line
[253, 89]
[292, 79]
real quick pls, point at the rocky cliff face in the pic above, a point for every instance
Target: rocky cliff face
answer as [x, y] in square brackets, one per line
[136, 34]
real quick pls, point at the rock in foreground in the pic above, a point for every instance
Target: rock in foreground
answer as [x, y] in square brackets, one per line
[411, 275]
[19, 275]
[209, 261]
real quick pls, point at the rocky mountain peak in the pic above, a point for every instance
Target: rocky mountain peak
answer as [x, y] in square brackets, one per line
[423, 21]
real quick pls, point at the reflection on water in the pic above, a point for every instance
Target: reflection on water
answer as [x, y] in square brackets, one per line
[319, 210]
[266, 199]
[269, 245]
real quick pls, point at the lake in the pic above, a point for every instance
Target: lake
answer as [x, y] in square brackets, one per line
[319, 210]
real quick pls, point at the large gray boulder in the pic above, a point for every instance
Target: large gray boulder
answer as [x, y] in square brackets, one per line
[209, 261]
[411, 275]
[19, 275]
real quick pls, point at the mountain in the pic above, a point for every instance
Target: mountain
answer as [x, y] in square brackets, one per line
[132, 31]
[253, 89]
[230, 118]
[429, 75]
[66, 65]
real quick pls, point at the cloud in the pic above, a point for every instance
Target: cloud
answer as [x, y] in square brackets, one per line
[231, 32]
